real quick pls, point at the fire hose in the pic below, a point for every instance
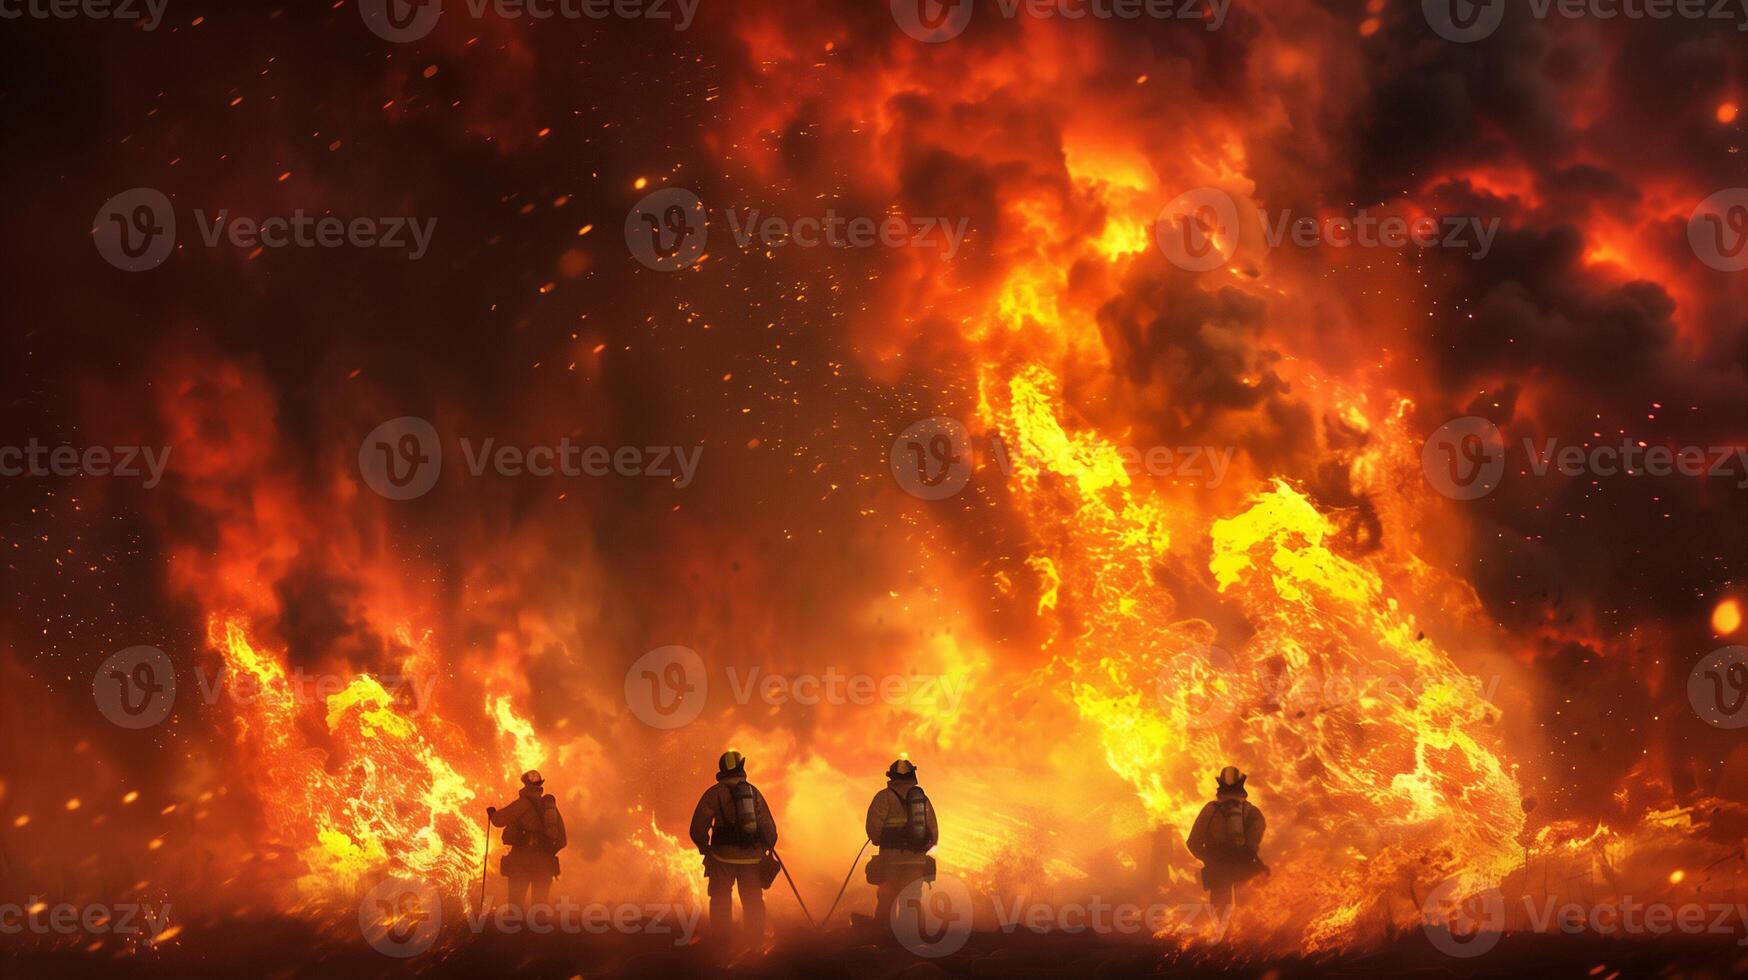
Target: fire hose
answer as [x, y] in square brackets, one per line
[845, 885]
[785, 869]
[485, 862]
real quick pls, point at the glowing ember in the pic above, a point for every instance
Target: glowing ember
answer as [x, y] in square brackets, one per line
[1727, 617]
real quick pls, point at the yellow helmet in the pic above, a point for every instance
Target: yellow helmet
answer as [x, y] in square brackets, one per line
[732, 763]
[1230, 782]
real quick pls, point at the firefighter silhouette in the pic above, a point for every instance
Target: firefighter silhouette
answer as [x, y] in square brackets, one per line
[535, 832]
[901, 821]
[1226, 838]
[734, 831]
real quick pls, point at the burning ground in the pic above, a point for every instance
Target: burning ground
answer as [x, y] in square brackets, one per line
[1422, 688]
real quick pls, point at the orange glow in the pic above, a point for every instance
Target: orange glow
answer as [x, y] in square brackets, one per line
[1504, 181]
[1727, 617]
[1728, 112]
[1397, 737]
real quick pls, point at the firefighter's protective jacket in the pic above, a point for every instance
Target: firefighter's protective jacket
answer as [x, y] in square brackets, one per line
[1210, 842]
[888, 818]
[535, 832]
[716, 832]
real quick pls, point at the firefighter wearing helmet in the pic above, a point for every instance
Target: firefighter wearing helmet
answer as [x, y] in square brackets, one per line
[535, 832]
[901, 821]
[1227, 837]
[733, 829]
